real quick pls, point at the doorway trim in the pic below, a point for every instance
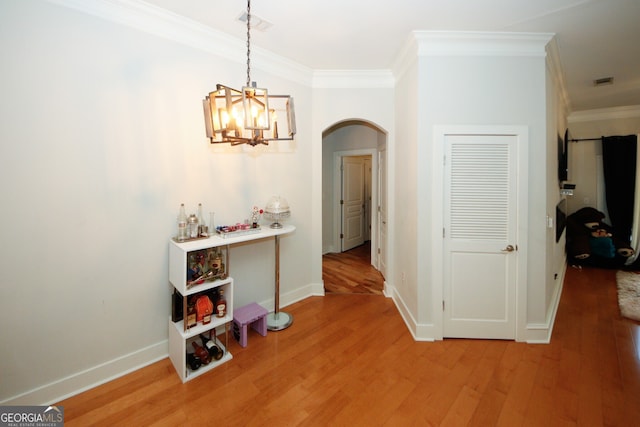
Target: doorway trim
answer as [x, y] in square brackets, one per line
[437, 249]
[337, 190]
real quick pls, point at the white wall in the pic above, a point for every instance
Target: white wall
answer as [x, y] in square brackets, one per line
[409, 175]
[102, 138]
[464, 88]
[555, 265]
[333, 105]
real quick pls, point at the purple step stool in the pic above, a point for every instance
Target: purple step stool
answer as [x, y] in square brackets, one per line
[253, 314]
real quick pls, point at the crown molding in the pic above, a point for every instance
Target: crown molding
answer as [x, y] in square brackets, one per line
[162, 23]
[614, 113]
[474, 43]
[555, 68]
[406, 57]
[353, 79]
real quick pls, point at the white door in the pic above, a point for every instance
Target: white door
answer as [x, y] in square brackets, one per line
[480, 248]
[382, 212]
[352, 202]
[367, 198]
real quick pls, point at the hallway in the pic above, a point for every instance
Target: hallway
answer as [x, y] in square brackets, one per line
[351, 272]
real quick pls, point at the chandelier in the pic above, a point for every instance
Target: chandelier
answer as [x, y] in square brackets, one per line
[248, 116]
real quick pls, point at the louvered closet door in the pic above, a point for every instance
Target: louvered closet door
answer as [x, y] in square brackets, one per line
[480, 230]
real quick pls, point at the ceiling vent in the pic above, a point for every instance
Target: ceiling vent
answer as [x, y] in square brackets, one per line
[257, 23]
[603, 81]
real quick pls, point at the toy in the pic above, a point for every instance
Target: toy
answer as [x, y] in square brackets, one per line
[590, 241]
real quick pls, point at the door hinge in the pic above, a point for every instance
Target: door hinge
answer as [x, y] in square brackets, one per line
[342, 202]
[443, 233]
[442, 305]
[341, 236]
[378, 251]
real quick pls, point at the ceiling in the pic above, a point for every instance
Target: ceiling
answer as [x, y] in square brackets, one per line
[595, 38]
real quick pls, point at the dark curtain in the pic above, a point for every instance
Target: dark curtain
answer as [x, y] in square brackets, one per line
[619, 162]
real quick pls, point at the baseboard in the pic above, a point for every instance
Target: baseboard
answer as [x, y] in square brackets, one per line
[387, 290]
[82, 381]
[419, 332]
[536, 333]
[77, 383]
[540, 333]
[291, 297]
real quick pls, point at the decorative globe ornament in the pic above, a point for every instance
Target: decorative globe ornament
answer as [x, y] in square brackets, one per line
[276, 210]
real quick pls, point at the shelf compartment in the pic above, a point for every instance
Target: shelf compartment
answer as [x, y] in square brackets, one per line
[178, 348]
[225, 285]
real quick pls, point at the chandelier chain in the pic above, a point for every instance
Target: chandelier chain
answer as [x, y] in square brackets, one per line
[248, 43]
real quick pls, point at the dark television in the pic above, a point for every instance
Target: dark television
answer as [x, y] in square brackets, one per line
[563, 157]
[561, 218]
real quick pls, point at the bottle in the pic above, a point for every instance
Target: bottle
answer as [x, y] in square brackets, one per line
[203, 230]
[176, 307]
[212, 223]
[202, 354]
[221, 304]
[216, 263]
[222, 267]
[204, 308]
[192, 319]
[193, 361]
[215, 352]
[192, 226]
[182, 224]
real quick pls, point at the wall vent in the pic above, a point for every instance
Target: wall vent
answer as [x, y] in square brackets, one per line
[257, 23]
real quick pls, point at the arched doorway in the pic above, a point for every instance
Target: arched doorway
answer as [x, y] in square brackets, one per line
[354, 204]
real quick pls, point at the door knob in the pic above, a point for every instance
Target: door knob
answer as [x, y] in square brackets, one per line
[509, 248]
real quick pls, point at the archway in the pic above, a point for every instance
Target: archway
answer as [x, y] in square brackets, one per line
[354, 139]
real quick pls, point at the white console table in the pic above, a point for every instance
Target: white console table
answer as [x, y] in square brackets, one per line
[277, 320]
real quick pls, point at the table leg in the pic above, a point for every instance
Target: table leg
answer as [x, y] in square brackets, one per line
[278, 320]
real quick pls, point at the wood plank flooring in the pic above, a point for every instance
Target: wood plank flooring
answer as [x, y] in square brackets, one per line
[351, 272]
[350, 361]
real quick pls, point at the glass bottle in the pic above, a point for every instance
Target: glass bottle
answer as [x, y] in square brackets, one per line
[182, 224]
[193, 361]
[202, 226]
[192, 226]
[212, 223]
[204, 308]
[217, 263]
[221, 304]
[191, 314]
[214, 351]
[202, 354]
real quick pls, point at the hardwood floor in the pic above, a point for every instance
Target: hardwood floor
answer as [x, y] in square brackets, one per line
[351, 272]
[352, 362]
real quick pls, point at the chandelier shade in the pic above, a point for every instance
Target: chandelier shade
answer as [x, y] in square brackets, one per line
[248, 116]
